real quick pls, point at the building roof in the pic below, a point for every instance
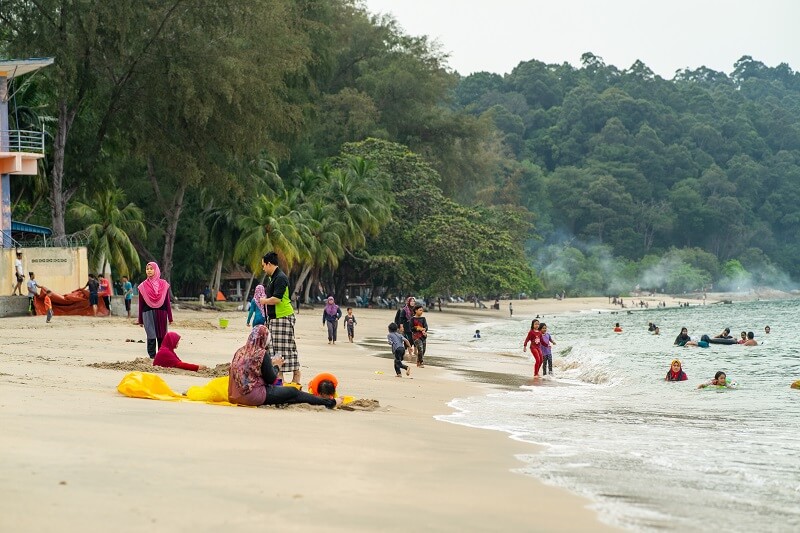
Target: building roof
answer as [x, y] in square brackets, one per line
[24, 227]
[11, 68]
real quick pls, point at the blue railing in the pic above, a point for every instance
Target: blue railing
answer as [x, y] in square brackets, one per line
[22, 141]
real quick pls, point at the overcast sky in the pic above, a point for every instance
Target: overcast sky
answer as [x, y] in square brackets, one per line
[495, 35]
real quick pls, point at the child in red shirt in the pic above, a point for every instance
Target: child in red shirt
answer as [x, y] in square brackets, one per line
[48, 305]
[535, 339]
[167, 357]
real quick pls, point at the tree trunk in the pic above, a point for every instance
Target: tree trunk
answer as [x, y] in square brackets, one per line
[247, 292]
[171, 232]
[302, 279]
[218, 276]
[58, 196]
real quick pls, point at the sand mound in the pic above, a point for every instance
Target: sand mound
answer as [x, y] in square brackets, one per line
[145, 364]
[194, 323]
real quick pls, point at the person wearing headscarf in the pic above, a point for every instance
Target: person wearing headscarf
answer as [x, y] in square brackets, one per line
[330, 317]
[675, 372]
[155, 312]
[258, 311]
[167, 357]
[403, 318]
[252, 377]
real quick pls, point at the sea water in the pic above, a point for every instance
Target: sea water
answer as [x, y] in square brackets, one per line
[650, 454]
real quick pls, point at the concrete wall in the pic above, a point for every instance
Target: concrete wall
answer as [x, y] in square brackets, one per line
[13, 305]
[62, 270]
[118, 306]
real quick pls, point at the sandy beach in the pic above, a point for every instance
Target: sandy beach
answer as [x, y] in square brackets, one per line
[79, 456]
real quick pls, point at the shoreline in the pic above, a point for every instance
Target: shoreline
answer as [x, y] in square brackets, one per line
[72, 441]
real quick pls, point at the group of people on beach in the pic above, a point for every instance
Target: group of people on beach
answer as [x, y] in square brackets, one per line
[257, 370]
[408, 332]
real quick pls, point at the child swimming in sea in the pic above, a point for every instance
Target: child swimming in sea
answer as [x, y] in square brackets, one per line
[720, 380]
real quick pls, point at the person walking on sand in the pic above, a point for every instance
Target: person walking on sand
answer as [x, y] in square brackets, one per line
[127, 290]
[19, 275]
[510, 310]
[155, 311]
[33, 290]
[93, 285]
[253, 374]
[48, 306]
[331, 314]
[419, 334]
[105, 291]
[280, 317]
[350, 323]
[257, 311]
[403, 320]
[535, 339]
[399, 344]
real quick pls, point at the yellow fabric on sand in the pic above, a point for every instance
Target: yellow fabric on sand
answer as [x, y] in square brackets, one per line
[153, 387]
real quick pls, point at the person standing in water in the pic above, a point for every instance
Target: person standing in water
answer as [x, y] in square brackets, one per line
[535, 339]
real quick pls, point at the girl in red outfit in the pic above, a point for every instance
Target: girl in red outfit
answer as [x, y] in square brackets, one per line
[535, 338]
[167, 357]
[676, 372]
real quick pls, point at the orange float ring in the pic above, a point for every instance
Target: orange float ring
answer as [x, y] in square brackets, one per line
[314, 383]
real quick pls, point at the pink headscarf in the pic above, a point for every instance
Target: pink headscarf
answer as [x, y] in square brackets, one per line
[409, 312]
[257, 295]
[154, 290]
[331, 308]
[245, 368]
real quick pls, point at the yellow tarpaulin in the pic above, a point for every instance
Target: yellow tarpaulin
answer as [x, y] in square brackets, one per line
[153, 387]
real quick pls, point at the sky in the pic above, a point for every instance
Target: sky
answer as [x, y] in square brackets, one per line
[496, 35]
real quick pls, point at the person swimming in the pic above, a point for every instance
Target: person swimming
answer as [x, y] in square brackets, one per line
[675, 372]
[682, 338]
[720, 380]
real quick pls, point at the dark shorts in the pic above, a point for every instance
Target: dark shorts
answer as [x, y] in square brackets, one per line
[20, 278]
[92, 299]
[127, 305]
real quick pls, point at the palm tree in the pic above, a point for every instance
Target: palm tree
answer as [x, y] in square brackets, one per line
[322, 236]
[269, 225]
[357, 196]
[223, 233]
[109, 227]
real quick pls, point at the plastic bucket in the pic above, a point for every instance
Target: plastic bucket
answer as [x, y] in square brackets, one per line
[223, 323]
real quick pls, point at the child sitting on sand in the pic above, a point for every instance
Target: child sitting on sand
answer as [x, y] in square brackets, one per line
[399, 344]
[167, 357]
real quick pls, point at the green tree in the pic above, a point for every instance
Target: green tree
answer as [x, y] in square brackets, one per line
[110, 223]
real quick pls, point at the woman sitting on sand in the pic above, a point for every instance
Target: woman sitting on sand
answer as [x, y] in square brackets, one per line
[167, 357]
[252, 377]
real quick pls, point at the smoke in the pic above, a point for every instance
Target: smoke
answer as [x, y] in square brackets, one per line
[590, 269]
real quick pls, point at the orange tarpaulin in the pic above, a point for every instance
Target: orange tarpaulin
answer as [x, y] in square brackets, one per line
[220, 296]
[75, 303]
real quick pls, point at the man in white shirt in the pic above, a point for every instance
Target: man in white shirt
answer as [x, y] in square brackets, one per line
[19, 273]
[33, 290]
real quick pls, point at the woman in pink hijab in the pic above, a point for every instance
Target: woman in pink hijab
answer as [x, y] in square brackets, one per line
[155, 311]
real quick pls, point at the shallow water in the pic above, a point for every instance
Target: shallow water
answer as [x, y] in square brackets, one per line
[651, 454]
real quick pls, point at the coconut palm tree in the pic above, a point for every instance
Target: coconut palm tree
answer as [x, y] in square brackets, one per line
[358, 199]
[270, 224]
[109, 225]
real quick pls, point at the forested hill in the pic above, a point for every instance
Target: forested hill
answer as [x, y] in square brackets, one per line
[705, 163]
